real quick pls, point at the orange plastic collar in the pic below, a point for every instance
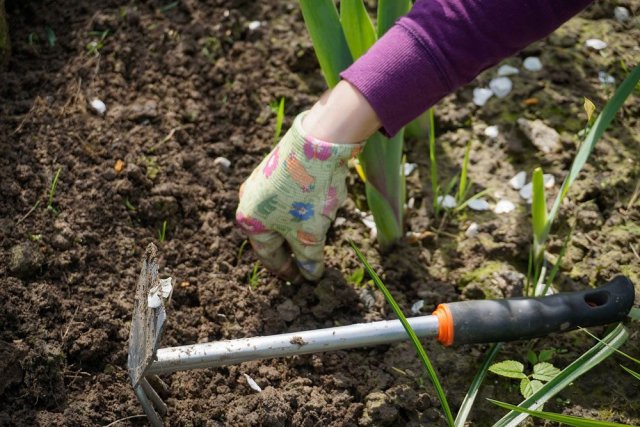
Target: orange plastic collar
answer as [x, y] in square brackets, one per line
[445, 324]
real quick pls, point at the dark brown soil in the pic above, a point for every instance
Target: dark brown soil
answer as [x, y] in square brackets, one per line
[188, 82]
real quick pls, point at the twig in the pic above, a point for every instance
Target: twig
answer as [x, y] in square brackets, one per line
[634, 196]
[124, 419]
[28, 213]
[634, 251]
[71, 322]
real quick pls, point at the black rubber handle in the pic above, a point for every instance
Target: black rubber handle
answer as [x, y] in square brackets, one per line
[514, 319]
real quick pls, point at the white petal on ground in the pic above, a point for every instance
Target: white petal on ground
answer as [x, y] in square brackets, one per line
[526, 191]
[621, 13]
[504, 206]
[492, 131]
[507, 70]
[481, 95]
[411, 203]
[154, 300]
[518, 180]
[252, 383]
[339, 221]
[596, 44]
[606, 78]
[409, 168]
[478, 205]
[254, 25]
[472, 231]
[447, 202]
[98, 106]
[532, 63]
[501, 86]
[417, 306]
[368, 221]
[166, 288]
[549, 180]
[222, 161]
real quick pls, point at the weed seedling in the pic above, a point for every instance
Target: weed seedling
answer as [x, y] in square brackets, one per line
[278, 108]
[162, 233]
[241, 250]
[51, 36]
[356, 277]
[52, 192]
[543, 371]
[94, 47]
[255, 275]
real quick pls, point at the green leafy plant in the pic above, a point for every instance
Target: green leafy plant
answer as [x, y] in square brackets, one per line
[542, 371]
[278, 108]
[356, 277]
[241, 250]
[338, 40]
[255, 275]
[162, 233]
[94, 47]
[52, 192]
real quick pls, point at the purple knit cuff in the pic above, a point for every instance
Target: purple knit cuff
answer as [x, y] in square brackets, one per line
[397, 78]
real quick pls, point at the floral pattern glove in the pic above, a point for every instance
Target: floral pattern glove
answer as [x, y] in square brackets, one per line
[292, 197]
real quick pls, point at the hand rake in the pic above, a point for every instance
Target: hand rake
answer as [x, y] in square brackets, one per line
[463, 322]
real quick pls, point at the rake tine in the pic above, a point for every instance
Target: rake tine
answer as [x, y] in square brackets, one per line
[160, 386]
[160, 406]
[147, 406]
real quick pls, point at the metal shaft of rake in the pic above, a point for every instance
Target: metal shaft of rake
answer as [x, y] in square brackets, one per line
[222, 353]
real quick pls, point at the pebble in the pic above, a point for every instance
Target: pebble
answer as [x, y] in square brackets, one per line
[339, 221]
[481, 95]
[545, 138]
[409, 168]
[492, 131]
[98, 106]
[478, 205]
[472, 230]
[596, 44]
[532, 63]
[25, 260]
[504, 206]
[621, 13]
[606, 78]
[417, 306]
[526, 191]
[501, 86]
[518, 180]
[447, 202]
[254, 25]
[222, 161]
[507, 70]
[252, 383]
[549, 180]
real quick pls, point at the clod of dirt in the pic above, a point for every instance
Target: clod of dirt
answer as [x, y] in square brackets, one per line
[589, 216]
[332, 293]
[492, 280]
[545, 138]
[288, 311]
[4, 35]
[138, 111]
[378, 411]
[26, 260]
[10, 369]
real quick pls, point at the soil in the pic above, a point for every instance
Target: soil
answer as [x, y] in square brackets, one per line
[187, 82]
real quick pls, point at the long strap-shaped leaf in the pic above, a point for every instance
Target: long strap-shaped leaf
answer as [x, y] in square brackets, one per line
[599, 126]
[389, 11]
[584, 363]
[323, 24]
[357, 27]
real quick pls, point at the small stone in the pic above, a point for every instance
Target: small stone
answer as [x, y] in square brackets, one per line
[478, 205]
[472, 230]
[378, 411]
[222, 161]
[98, 106]
[504, 206]
[545, 138]
[606, 78]
[254, 25]
[526, 191]
[339, 221]
[507, 70]
[417, 306]
[549, 180]
[481, 95]
[532, 63]
[596, 44]
[501, 86]
[518, 180]
[621, 13]
[492, 131]
[447, 202]
[409, 168]
[26, 260]
[252, 383]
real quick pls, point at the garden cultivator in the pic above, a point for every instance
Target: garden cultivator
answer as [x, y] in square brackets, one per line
[462, 322]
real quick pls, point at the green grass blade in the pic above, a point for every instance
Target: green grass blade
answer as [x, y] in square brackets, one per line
[52, 188]
[329, 43]
[595, 133]
[357, 27]
[563, 419]
[558, 263]
[620, 352]
[472, 393]
[432, 159]
[538, 216]
[632, 372]
[279, 120]
[462, 188]
[583, 364]
[389, 11]
[422, 354]
[635, 313]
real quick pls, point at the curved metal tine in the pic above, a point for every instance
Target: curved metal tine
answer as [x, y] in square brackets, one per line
[160, 406]
[158, 385]
[147, 406]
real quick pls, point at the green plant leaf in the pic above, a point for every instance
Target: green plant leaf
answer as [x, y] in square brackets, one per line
[389, 11]
[357, 27]
[538, 216]
[531, 357]
[545, 371]
[632, 372]
[589, 108]
[509, 369]
[464, 186]
[635, 313]
[329, 43]
[584, 363]
[528, 387]
[546, 354]
[563, 419]
[357, 276]
[422, 354]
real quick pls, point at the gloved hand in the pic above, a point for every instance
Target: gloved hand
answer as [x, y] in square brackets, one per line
[293, 196]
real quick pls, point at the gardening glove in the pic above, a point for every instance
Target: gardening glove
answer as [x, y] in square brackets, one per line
[293, 196]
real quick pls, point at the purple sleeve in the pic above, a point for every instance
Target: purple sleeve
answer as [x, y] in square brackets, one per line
[443, 44]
